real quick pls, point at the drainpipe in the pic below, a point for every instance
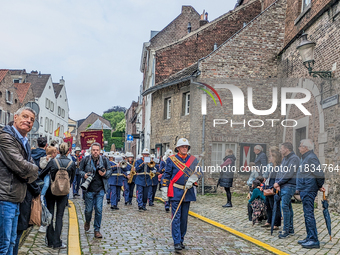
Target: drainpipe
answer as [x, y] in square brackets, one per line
[203, 149]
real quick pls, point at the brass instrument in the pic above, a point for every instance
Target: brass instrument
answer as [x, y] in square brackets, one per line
[152, 164]
[123, 164]
[132, 172]
[151, 175]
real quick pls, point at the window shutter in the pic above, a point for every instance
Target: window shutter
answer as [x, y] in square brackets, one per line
[6, 95]
[4, 116]
[11, 97]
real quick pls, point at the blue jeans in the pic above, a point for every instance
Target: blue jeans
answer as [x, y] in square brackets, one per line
[9, 213]
[76, 184]
[308, 210]
[94, 199]
[286, 195]
[180, 222]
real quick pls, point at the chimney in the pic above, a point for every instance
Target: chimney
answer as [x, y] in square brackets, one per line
[62, 81]
[204, 18]
[34, 72]
[189, 27]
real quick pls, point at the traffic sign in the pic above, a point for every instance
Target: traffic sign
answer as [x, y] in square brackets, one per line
[129, 138]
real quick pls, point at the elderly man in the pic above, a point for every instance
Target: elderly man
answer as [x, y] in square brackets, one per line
[285, 182]
[180, 175]
[99, 169]
[310, 179]
[16, 170]
[261, 158]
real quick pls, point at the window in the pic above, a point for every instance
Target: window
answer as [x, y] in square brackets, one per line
[61, 133]
[218, 152]
[63, 113]
[305, 4]
[51, 126]
[51, 106]
[16, 80]
[59, 111]
[41, 121]
[46, 124]
[167, 108]
[8, 118]
[47, 103]
[186, 103]
[11, 117]
[9, 97]
[1, 118]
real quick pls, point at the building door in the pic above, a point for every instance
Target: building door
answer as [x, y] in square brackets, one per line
[300, 134]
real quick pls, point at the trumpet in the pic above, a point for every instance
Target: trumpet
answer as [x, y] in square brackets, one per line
[123, 164]
[132, 172]
[151, 175]
[152, 164]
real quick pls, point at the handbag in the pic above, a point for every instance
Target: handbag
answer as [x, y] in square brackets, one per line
[35, 218]
[268, 192]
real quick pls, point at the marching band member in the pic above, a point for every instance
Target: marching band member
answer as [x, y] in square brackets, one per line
[118, 173]
[130, 186]
[113, 165]
[154, 182]
[179, 176]
[162, 170]
[143, 180]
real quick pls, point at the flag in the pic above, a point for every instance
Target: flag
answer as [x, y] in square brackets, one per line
[57, 131]
[67, 134]
[89, 137]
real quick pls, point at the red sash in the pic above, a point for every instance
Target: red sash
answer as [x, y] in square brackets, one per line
[181, 167]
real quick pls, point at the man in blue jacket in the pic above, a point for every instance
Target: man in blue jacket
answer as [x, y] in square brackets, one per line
[285, 182]
[143, 180]
[310, 179]
[261, 158]
[180, 175]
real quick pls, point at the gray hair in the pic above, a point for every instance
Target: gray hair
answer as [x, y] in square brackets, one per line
[25, 108]
[308, 143]
[96, 144]
[258, 147]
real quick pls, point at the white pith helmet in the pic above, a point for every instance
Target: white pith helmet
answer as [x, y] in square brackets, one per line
[182, 142]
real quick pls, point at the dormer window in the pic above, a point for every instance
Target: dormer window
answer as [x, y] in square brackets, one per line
[305, 4]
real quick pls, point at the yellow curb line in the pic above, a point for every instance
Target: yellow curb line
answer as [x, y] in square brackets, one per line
[73, 231]
[235, 232]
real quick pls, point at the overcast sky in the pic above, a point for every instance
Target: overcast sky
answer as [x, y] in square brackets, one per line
[95, 45]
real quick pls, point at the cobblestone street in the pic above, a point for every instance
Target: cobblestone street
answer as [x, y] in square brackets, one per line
[236, 217]
[129, 231]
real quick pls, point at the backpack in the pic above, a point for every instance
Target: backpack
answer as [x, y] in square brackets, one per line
[61, 184]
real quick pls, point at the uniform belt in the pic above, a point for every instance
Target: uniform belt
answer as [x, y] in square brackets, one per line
[179, 186]
[117, 174]
[142, 173]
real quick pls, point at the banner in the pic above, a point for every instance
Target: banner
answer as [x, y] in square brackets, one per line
[69, 141]
[89, 137]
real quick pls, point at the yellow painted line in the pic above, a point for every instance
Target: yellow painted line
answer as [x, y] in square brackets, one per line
[73, 231]
[235, 232]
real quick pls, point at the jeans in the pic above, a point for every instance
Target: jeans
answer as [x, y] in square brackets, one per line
[76, 184]
[94, 200]
[286, 195]
[9, 213]
[308, 210]
[180, 222]
[53, 234]
[16, 246]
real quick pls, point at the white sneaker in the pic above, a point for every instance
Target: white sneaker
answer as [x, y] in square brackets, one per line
[42, 229]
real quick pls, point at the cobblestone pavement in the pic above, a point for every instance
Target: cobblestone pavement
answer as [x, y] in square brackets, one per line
[128, 231]
[35, 241]
[236, 217]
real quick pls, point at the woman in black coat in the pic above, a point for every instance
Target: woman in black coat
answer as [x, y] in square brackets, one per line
[53, 233]
[227, 175]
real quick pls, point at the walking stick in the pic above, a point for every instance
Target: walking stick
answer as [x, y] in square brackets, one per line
[185, 191]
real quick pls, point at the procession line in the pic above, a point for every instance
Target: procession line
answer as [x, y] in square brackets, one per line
[73, 231]
[235, 232]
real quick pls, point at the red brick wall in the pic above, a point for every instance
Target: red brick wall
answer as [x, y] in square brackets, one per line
[184, 53]
[177, 28]
[267, 3]
[293, 12]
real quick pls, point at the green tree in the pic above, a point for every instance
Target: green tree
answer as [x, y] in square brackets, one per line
[114, 118]
[121, 126]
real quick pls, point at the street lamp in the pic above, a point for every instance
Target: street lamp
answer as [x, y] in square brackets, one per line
[306, 50]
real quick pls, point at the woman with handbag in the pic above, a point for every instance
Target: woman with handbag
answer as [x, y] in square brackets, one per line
[269, 191]
[227, 175]
[54, 167]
